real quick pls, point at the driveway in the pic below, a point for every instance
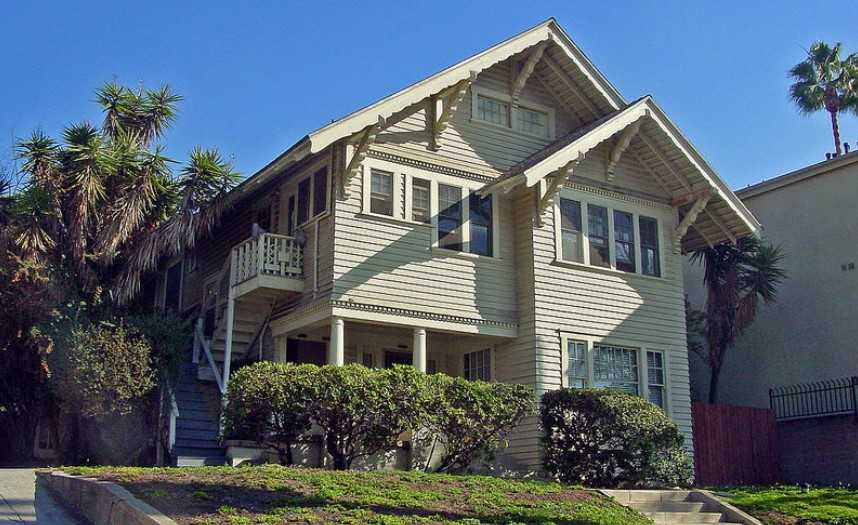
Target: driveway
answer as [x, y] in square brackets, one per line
[21, 501]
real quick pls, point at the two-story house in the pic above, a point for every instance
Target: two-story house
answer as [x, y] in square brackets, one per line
[511, 218]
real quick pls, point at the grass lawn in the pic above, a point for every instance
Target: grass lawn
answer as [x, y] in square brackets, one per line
[272, 494]
[792, 505]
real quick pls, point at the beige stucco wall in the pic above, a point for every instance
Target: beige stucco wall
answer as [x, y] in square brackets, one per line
[811, 333]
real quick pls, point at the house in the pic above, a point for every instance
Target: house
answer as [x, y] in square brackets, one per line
[511, 218]
[804, 345]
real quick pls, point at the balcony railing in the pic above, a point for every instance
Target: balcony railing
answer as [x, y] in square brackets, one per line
[267, 254]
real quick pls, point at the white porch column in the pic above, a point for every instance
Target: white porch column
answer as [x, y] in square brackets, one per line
[336, 346]
[420, 349]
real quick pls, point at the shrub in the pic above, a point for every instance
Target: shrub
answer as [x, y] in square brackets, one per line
[363, 411]
[269, 403]
[609, 438]
[103, 368]
[471, 418]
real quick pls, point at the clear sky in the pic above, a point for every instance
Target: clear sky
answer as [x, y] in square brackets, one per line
[257, 76]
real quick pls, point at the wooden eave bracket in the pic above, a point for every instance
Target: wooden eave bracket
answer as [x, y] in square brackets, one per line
[367, 138]
[620, 146]
[527, 69]
[450, 99]
[688, 220]
[554, 184]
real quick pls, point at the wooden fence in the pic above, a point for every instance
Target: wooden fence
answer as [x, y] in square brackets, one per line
[734, 445]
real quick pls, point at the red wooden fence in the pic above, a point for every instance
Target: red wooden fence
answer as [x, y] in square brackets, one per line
[734, 445]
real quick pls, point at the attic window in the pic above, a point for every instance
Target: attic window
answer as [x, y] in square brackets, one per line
[497, 109]
[492, 110]
[532, 121]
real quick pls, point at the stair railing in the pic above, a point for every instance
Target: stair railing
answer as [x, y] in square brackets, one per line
[200, 341]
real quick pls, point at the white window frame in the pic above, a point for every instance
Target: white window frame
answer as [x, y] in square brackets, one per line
[490, 365]
[612, 205]
[291, 189]
[478, 91]
[641, 349]
[396, 181]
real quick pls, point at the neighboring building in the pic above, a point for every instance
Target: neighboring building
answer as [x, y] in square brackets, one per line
[511, 218]
[810, 334]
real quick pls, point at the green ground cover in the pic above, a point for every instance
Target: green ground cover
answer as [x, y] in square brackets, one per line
[793, 505]
[271, 494]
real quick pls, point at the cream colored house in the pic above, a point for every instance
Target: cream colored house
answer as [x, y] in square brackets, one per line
[511, 218]
[809, 334]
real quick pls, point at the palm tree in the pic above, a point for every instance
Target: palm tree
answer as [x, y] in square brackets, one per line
[103, 206]
[736, 278]
[824, 81]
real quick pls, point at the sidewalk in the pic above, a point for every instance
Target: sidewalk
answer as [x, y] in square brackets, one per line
[21, 501]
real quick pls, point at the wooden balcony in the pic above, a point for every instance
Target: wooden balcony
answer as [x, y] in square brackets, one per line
[268, 265]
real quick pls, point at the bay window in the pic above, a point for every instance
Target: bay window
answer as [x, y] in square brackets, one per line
[450, 217]
[637, 371]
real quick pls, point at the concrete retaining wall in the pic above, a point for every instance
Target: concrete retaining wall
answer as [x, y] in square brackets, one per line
[102, 502]
[821, 450]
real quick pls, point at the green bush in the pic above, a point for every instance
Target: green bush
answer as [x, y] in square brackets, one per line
[103, 368]
[470, 419]
[607, 438]
[269, 403]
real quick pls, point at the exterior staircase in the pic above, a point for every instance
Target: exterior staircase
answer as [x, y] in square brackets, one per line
[686, 507]
[198, 422]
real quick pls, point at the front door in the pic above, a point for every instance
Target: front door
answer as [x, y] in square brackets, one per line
[397, 358]
[306, 352]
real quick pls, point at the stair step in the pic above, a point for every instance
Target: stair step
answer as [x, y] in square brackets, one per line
[198, 444]
[669, 506]
[187, 434]
[200, 461]
[211, 425]
[683, 517]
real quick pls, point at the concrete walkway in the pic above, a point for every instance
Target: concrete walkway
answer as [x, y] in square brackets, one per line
[21, 501]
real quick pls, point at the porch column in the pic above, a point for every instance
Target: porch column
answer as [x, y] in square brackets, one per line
[336, 346]
[420, 349]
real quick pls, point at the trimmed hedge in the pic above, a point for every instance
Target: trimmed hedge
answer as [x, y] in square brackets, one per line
[606, 438]
[363, 412]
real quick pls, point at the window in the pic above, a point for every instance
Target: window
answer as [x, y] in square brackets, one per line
[616, 368]
[263, 216]
[532, 121]
[420, 199]
[570, 230]
[597, 224]
[381, 193]
[624, 241]
[480, 215]
[290, 217]
[320, 191]
[492, 110]
[478, 365]
[304, 201]
[173, 287]
[450, 217]
[576, 371]
[655, 378]
[367, 359]
[431, 366]
[650, 263]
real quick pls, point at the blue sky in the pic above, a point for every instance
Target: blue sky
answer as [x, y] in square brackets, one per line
[256, 79]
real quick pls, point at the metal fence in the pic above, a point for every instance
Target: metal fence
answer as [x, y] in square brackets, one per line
[821, 398]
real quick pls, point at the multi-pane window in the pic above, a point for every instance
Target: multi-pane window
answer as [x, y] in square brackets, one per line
[304, 201]
[492, 110]
[597, 234]
[420, 199]
[650, 264]
[624, 241]
[478, 365]
[480, 215]
[381, 193]
[450, 217]
[655, 378]
[532, 121]
[576, 370]
[320, 191]
[570, 230]
[616, 368]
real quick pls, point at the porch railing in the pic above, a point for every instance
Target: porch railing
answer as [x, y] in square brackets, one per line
[822, 398]
[267, 254]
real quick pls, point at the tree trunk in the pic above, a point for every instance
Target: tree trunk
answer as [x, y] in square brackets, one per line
[835, 128]
[713, 384]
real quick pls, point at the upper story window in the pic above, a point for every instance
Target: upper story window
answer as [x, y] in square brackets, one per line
[320, 191]
[480, 214]
[290, 216]
[450, 217]
[421, 200]
[304, 200]
[608, 238]
[478, 365]
[381, 193]
[497, 108]
[639, 372]
[532, 121]
[308, 201]
[492, 110]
